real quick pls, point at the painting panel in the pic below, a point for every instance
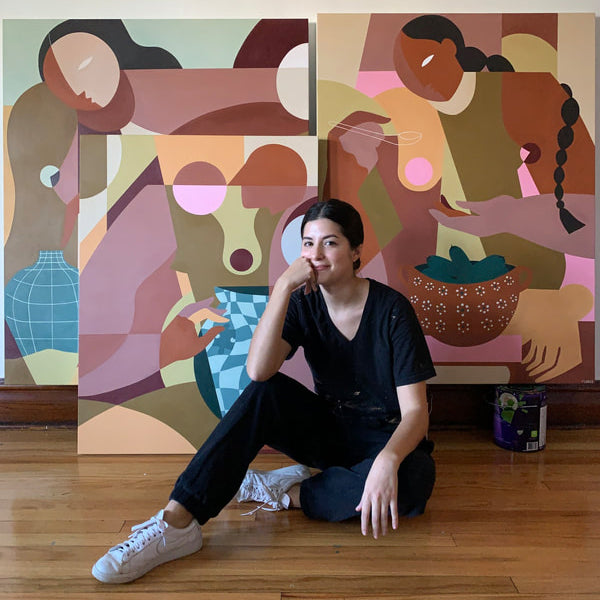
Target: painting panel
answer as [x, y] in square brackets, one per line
[65, 80]
[464, 141]
[175, 272]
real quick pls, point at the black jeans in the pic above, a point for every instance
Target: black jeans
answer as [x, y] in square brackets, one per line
[285, 415]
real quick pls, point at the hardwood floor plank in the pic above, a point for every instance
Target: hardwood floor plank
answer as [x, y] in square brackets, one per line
[178, 581]
[149, 595]
[441, 596]
[567, 586]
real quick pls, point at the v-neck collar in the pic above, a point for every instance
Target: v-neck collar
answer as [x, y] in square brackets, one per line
[362, 317]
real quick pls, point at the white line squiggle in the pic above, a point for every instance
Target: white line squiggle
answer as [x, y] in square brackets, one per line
[405, 138]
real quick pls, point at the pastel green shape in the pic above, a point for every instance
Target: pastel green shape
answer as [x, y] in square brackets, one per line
[335, 101]
[137, 152]
[195, 43]
[180, 371]
[379, 209]
[21, 41]
[53, 367]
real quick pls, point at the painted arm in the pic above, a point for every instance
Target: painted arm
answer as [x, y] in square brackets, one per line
[534, 218]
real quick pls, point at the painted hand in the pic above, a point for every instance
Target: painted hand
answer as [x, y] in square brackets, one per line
[179, 340]
[554, 349]
[534, 218]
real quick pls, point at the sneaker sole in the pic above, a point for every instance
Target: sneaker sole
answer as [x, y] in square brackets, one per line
[128, 577]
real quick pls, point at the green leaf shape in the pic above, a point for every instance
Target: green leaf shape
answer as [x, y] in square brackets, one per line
[459, 269]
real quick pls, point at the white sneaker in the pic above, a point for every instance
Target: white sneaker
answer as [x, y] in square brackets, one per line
[151, 544]
[270, 487]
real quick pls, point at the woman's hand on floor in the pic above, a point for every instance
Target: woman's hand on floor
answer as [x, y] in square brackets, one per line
[380, 496]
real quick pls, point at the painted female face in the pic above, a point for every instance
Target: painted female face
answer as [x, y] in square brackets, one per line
[426, 67]
[82, 70]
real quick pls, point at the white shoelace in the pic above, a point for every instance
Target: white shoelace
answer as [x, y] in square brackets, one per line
[141, 535]
[262, 506]
[260, 492]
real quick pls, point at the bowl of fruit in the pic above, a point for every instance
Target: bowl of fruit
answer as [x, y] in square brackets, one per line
[462, 302]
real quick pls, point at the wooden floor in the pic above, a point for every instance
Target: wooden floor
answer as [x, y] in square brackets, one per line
[500, 525]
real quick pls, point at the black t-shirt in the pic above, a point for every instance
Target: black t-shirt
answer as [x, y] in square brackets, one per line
[387, 351]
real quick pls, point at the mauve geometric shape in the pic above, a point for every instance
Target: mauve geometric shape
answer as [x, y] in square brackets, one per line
[151, 175]
[133, 367]
[257, 118]
[139, 241]
[165, 101]
[270, 41]
[241, 260]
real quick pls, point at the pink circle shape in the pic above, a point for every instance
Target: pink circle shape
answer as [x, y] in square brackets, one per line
[199, 199]
[418, 171]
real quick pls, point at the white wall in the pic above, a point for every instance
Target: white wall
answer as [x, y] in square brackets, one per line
[175, 9]
[207, 9]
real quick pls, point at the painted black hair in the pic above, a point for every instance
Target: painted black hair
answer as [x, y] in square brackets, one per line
[130, 55]
[569, 113]
[438, 28]
[342, 213]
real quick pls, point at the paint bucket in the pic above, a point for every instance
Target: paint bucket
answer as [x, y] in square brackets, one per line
[520, 417]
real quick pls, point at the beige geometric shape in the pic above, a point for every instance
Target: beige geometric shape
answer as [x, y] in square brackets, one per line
[529, 53]
[474, 374]
[576, 65]
[340, 41]
[89, 244]
[9, 182]
[121, 430]
[292, 81]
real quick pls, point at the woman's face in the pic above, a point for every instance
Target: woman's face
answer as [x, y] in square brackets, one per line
[82, 70]
[427, 68]
[328, 250]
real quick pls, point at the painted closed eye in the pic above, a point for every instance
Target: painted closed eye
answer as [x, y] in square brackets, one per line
[427, 60]
[84, 63]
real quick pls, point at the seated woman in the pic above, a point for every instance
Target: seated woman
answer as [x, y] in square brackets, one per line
[364, 428]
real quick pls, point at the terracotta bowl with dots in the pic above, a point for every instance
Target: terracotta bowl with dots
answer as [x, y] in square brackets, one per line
[465, 314]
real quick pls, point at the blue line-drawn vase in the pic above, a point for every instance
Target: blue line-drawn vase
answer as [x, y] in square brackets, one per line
[41, 305]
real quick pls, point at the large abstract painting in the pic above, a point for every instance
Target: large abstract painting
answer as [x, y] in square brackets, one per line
[155, 174]
[464, 140]
[176, 258]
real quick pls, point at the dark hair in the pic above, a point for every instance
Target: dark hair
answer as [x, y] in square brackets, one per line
[569, 113]
[438, 28]
[130, 55]
[342, 213]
